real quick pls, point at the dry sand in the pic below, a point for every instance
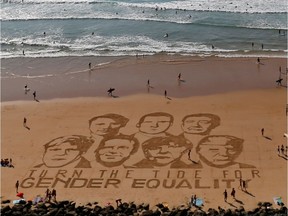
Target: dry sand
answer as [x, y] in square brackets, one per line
[243, 94]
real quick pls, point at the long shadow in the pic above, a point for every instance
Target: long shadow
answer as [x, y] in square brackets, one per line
[266, 137]
[283, 157]
[168, 98]
[231, 204]
[27, 127]
[180, 81]
[148, 88]
[239, 201]
[245, 191]
[115, 96]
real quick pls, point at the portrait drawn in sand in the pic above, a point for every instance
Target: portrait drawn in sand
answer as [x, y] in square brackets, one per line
[151, 147]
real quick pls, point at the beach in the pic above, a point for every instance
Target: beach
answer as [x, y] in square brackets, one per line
[242, 93]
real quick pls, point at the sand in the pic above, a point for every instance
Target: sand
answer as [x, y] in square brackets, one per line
[243, 94]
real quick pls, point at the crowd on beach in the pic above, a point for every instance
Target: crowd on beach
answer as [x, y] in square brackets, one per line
[7, 163]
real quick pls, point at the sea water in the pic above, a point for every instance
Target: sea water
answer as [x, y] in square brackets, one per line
[54, 28]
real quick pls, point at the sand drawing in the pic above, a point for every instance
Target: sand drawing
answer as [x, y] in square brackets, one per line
[221, 151]
[114, 151]
[106, 125]
[103, 126]
[162, 151]
[195, 127]
[201, 123]
[150, 126]
[151, 147]
[66, 150]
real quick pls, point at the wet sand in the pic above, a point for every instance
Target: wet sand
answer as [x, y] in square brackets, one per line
[69, 77]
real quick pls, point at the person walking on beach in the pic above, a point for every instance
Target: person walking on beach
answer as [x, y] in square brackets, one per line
[262, 46]
[53, 193]
[17, 186]
[165, 94]
[89, 65]
[233, 192]
[192, 200]
[244, 185]
[240, 181]
[179, 76]
[34, 95]
[258, 60]
[148, 83]
[225, 195]
[282, 149]
[262, 131]
[24, 122]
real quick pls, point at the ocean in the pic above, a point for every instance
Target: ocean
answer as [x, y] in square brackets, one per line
[61, 28]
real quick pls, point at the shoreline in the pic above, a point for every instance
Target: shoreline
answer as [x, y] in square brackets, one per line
[69, 77]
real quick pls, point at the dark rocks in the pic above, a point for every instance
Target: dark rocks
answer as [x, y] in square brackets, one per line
[69, 208]
[5, 201]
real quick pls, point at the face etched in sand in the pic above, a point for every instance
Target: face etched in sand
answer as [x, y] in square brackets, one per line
[107, 125]
[196, 125]
[114, 151]
[200, 123]
[104, 126]
[65, 150]
[165, 154]
[164, 150]
[154, 124]
[219, 151]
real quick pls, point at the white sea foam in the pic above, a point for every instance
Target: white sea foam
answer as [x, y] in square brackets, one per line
[193, 26]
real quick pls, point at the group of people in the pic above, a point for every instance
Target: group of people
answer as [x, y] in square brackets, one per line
[282, 151]
[49, 195]
[233, 194]
[149, 147]
[7, 163]
[27, 90]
